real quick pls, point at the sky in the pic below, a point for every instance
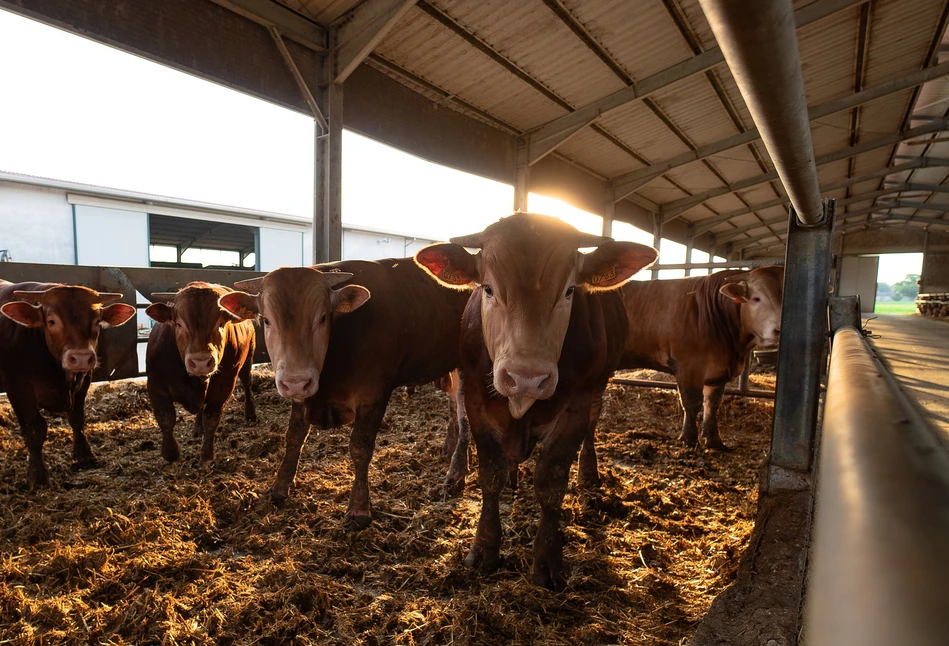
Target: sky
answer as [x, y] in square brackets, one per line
[80, 111]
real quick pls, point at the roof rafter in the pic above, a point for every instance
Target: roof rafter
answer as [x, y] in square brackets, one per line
[630, 182]
[359, 31]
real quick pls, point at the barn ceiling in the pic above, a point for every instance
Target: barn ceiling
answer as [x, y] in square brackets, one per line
[637, 93]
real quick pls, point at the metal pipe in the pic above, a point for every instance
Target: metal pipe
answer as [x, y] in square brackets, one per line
[670, 385]
[760, 46]
[880, 548]
[734, 264]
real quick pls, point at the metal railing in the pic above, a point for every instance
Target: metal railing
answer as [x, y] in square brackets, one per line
[880, 548]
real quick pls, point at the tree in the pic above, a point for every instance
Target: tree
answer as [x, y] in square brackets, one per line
[906, 288]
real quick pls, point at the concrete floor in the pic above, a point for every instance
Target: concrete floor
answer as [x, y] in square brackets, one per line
[916, 351]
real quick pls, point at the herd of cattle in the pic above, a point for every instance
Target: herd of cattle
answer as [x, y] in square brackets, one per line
[529, 330]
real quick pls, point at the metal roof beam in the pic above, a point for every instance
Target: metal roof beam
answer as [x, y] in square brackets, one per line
[360, 30]
[928, 188]
[923, 206]
[291, 24]
[741, 244]
[678, 72]
[630, 182]
[838, 155]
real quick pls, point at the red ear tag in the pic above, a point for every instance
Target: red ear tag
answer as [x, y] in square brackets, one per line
[736, 301]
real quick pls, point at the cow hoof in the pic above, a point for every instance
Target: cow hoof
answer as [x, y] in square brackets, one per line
[279, 496]
[485, 561]
[357, 521]
[689, 442]
[718, 445]
[251, 418]
[454, 485]
[551, 580]
[589, 481]
[37, 478]
[84, 464]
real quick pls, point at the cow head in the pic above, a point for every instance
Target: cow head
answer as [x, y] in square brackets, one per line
[760, 293]
[297, 307]
[71, 317]
[199, 324]
[528, 268]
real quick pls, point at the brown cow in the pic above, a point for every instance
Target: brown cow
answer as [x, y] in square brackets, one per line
[195, 356]
[541, 336]
[338, 354]
[49, 334]
[700, 330]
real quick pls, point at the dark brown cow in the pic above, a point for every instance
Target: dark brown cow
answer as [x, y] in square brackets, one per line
[338, 354]
[541, 336]
[700, 330]
[49, 334]
[195, 356]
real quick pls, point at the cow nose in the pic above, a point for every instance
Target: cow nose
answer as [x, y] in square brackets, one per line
[79, 360]
[536, 384]
[296, 387]
[200, 365]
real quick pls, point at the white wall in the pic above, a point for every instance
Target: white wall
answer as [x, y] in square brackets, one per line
[280, 248]
[111, 237]
[366, 245]
[36, 224]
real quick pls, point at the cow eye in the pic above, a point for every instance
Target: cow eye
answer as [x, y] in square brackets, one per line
[488, 291]
[265, 320]
[756, 299]
[570, 291]
[323, 319]
[51, 322]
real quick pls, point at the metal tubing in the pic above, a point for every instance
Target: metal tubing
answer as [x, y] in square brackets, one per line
[670, 385]
[880, 548]
[760, 46]
[734, 264]
[803, 334]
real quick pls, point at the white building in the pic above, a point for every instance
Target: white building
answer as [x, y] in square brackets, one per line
[56, 222]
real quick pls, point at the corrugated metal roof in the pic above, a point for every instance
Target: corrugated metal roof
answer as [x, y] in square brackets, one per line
[540, 68]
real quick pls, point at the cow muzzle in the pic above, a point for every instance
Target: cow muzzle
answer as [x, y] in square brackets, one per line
[297, 386]
[79, 360]
[524, 384]
[200, 364]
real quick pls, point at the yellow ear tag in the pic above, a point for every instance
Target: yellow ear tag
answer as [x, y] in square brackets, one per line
[608, 274]
[344, 307]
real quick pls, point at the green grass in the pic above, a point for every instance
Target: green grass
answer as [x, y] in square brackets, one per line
[899, 307]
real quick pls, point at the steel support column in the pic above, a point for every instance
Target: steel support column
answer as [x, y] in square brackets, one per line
[656, 238]
[522, 179]
[689, 243]
[327, 202]
[609, 210]
[803, 335]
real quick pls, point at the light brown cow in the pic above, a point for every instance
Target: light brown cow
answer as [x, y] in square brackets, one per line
[195, 356]
[338, 354]
[49, 335]
[700, 330]
[540, 338]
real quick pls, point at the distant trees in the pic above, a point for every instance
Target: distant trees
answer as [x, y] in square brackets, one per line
[906, 289]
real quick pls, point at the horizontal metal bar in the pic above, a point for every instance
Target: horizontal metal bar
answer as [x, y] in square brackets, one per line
[880, 549]
[732, 264]
[670, 385]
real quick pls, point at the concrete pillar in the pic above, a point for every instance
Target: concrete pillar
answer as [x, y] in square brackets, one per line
[656, 238]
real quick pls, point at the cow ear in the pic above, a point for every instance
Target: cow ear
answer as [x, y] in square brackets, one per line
[240, 305]
[738, 292]
[450, 264]
[160, 312]
[349, 298]
[23, 313]
[612, 263]
[115, 314]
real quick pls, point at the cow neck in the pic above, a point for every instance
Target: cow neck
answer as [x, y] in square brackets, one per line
[722, 315]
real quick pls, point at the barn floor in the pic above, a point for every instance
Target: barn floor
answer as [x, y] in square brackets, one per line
[143, 552]
[915, 349]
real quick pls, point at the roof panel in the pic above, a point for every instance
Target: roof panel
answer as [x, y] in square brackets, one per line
[828, 56]
[531, 35]
[639, 35]
[694, 108]
[598, 154]
[636, 126]
[695, 177]
[900, 36]
[736, 164]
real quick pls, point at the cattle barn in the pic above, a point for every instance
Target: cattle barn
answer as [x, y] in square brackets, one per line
[805, 133]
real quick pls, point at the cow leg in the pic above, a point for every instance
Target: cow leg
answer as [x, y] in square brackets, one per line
[713, 398]
[588, 472]
[458, 469]
[550, 485]
[211, 419]
[198, 429]
[247, 382]
[451, 437]
[493, 471]
[163, 407]
[81, 451]
[297, 431]
[691, 398]
[362, 443]
[33, 428]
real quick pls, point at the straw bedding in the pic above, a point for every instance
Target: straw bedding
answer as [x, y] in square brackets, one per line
[144, 552]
